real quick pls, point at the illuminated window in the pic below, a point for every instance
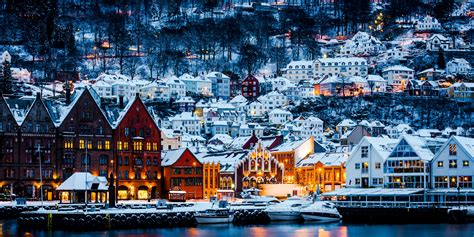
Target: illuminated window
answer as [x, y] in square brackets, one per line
[125, 145]
[155, 146]
[465, 163]
[68, 144]
[89, 144]
[440, 164]
[452, 149]
[453, 164]
[81, 144]
[119, 145]
[100, 145]
[137, 146]
[107, 145]
[148, 146]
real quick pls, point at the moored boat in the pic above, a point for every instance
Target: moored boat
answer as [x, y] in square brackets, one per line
[321, 212]
[214, 216]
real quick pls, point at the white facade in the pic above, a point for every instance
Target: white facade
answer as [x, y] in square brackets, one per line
[377, 83]
[453, 164]
[255, 109]
[428, 23]
[186, 122]
[311, 126]
[220, 84]
[279, 116]
[177, 87]
[398, 76]
[170, 140]
[437, 42]
[299, 70]
[273, 100]
[362, 44]
[364, 168]
[155, 91]
[340, 66]
[197, 85]
[458, 66]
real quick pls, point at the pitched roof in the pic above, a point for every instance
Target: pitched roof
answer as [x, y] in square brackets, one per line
[170, 157]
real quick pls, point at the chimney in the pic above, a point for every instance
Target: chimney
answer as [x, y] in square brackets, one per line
[68, 92]
[121, 101]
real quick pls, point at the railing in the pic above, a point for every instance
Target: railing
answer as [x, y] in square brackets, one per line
[401, 204]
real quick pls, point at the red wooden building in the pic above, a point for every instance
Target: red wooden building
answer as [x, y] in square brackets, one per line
[183, 175]
[250, 87]
[138, 153]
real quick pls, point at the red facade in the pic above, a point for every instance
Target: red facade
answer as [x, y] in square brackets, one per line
[138, 153]
[250, 87]
[183, 173]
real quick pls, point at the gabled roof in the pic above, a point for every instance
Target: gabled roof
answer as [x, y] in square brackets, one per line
[38, 99]
[170, 157]
[418, 145]
[465, 143]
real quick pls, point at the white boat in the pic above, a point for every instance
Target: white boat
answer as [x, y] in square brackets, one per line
[289, 210]
[214, 216]
[321, 212]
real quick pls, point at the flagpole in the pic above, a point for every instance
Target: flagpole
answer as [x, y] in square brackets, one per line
[87, 160]
[41, 175]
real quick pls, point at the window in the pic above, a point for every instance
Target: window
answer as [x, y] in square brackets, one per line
[125, 146]
[452, 149]
[103, 159]
[119, 145]
[103, 173]
[81, 144]
[188, 170]
[177, 171]
[89, 145]
[465, 181]
[107, 145]
[198, 170]
[148, 161]
[86, 159]
[139, 161]
[68, 145]
[175, 182]
[155, 161]
[357, 166]
[127, 132]
[440, 164]
[119, 158]
[155, 146]
[99, 145]
[137, 175]
[148, 146]
[30, 173]
[189, 182]
[147, 132]
[125, 161]
[377, 165]
[100, 130]
[465, 163]
[125, 174]
[453, 164]
[365, 152]
[357, 181]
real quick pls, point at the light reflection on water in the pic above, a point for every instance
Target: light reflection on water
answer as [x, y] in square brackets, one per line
[9, 228]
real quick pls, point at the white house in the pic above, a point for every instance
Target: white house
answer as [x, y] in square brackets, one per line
[170, 140]
[408, 165]
[345, 126]
[364, 168]
[398, 76]
[176, 86]
[186, 122]
[197, 85]
[299, 70]
[156, 90]
[220, 84]
[311, 126]
[362, 43]
[427, 23]
[396, 53]
[279, 116]
[340, 66]
[376, 83]
[103, 89]
[280, 84]
[273, 100]
[437, 42]
[453, 164]
[255, 109]
[458, 66]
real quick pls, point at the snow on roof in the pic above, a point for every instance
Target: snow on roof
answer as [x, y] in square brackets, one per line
[224, 138]
[376, 123]
[185, 116]
[439, 36]
[432, 70]
[238, 142]
[77, 182]
[357, 79]
[314, 119]
[347, 123]
[327, 159]
[173, 80]
[280, 111]
[467, 144]
[185, 99]
[419, 146]
[186, 76]
[299, 63]
[227, 159]
[382, 145]
[217, 75]
[238, 99]
[290, 145]
[170, 157]
[397, 68]
[342, 60]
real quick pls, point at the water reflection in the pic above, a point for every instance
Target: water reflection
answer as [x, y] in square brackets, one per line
[9, 228]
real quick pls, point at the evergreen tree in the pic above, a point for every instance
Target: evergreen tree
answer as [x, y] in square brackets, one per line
[441, 59]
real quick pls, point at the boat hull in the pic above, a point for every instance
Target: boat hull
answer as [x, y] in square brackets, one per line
[320, 217]
[213, 220]
[284, 216]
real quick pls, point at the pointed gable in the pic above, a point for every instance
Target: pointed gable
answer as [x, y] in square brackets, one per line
[83, 109]
[38, 118]
[135, 112]
[7, 120]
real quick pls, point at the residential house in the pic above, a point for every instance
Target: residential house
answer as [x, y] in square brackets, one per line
[279, 116]
[220, 84]
[299, 70]
[250, 87]
[351, 66]
[398, 76]
[458, 66]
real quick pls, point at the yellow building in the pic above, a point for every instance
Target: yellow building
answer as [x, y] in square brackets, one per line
[211, 179]
[325, 170]
[290, 153]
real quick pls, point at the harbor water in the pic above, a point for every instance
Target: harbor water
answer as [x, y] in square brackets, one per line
[10, 228]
